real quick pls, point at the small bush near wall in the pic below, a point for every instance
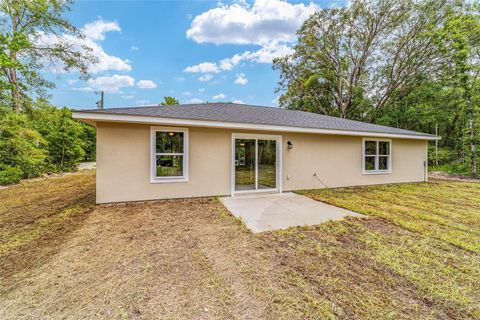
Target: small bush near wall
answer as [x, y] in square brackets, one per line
[9, 175]
[445, 156]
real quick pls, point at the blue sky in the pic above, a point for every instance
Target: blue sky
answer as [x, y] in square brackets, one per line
[192, 50]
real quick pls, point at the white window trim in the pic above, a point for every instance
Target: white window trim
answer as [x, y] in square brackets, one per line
[153, 154]
[376, 157]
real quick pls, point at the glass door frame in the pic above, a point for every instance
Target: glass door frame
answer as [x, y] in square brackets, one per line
[278, 155]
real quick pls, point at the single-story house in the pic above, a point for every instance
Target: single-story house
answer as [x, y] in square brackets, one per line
[211, 149]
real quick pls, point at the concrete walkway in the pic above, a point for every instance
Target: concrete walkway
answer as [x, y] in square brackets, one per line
[264, 212]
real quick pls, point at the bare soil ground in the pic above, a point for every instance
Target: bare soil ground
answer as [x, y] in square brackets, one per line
[450, 176]
[61, 256]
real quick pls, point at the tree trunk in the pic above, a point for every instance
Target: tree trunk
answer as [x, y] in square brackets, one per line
[473, 158]
[15, 90]
[450, 128]
[13, 71]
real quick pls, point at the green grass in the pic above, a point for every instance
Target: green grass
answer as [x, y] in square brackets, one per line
[421, 244]
[36, 215]
[417, 256]
[266, 175]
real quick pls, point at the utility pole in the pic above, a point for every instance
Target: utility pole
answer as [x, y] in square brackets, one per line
[100, 102]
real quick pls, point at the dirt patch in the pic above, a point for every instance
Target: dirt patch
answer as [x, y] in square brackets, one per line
[171, 259]
[64, 257]
[450, 176]
[37, 217]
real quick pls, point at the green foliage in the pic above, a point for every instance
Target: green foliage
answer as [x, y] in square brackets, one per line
[38, 137]
[169, 101]
[21, 146]
[445, 155]
[89, 141]
[349, 61]
[22, 59]
[62, 134]
[408, 64]
[9, 175]
[454, 167]
[43, 139]
[64, 144]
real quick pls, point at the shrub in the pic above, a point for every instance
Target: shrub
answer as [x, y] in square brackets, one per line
[21, 145]
[62, 135]
[454, 167]
[10, 175]
[89, 141]
[445, 155]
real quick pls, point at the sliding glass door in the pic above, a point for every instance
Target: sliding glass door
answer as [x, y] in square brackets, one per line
[267, 159]
[255, 164]
[245, 159]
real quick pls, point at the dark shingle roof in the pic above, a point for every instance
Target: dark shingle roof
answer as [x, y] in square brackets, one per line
[240, 113]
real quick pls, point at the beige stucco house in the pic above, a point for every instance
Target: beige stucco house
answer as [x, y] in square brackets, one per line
[195, 150]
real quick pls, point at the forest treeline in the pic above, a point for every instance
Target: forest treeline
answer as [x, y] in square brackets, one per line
[411, 64]
[36, 137]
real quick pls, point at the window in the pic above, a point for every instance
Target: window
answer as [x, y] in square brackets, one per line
[169, 154]
[377, 156]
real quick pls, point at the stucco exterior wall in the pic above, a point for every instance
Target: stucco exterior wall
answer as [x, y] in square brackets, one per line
[123, 163]
[337, 161]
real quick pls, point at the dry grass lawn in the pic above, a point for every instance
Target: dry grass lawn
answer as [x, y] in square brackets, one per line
[61, 256]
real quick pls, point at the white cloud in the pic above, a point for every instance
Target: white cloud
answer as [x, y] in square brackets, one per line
[201, 90]
[72, 81]
[179, 79]
[264, 55]
[134, 48]
[205, 77]
[269, 24]
[238, 101]
[204, 67]
[96, 30]
[94, 34]
[241, 79]
[195, 100]
[230, 63]
[83, 89]
[109, 84]
[146, 84]
[187, 93]
[105, 61]
[219, 96]
[142, 102]
[131, 96]
[263, 22]
[267, 53]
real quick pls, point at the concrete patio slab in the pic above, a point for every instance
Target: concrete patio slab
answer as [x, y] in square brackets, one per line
[265, 212]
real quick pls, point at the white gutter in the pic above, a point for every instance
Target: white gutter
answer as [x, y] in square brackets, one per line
[103, 117]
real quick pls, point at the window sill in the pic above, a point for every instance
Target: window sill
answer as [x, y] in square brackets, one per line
[168, 180]
[376, 172]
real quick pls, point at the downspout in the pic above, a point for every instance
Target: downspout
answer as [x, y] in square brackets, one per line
[425, 164]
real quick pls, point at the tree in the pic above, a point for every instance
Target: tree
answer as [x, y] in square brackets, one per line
[460, 39]
[64, 144]
[169, 101]
[62, 135]
[349, 62]
[89, 141]
[32, 35]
